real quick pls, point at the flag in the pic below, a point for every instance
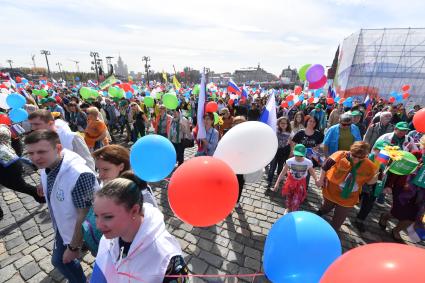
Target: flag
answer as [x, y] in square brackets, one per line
[383, 157]
[269, 114]
[368, 103]
[201, 108]
[164, 76]
[176, 83]
[244, 95]
[108, 82]
[331, 92]
[232, 87]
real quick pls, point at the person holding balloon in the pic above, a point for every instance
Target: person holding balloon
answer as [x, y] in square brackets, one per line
[179, 130]
[135, 244]
[343, 175]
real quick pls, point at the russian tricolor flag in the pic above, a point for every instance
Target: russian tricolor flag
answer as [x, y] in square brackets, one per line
[383, 157]
[368, 103]
[269, 114]
[232, 87]
[244, 94]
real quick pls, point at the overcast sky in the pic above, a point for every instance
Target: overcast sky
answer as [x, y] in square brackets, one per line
[221, 35]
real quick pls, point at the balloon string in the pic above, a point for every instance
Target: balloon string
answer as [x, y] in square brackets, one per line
[215, 275]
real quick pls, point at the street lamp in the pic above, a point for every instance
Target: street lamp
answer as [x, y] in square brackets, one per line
[10, 63]
[60, 69]
[147, 66]
[109, 64]
[95, 55]
[46, 52]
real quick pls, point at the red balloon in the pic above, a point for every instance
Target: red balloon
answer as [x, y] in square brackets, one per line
[330, 100]
[405, 87]
[406, 95]
[386, 263]
[284, 104]
[231, 102]
[203, 191]
[212, 107]
[18, 80]
[392, 99]
[298, 90]
[311, 99]
[419, 121]
[320, 83]
[298, 103]
[5, 120]
[341, 101]
[58, 99]
[289, 98]
[3, 86]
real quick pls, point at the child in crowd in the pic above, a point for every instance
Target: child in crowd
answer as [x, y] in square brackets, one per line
[295, 185]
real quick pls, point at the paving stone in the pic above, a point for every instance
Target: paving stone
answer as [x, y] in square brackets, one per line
[14, 242]
[211, 258]
[22, 261]
[29, 270]
[30, 249]
[39, 277]
[46, 264]
[252, 263]
[15, 278]
[35, 240]
[205, 244]
[40, 253]
[31, 233]
[197, 266]
[6, 273]
[18, 248]
[253, 253]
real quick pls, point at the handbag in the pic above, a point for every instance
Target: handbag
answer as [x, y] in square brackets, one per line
[187, 142]
[91, 234]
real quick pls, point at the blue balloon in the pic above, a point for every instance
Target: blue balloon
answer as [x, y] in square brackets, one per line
[318, 92]
[15, 100]
[349, 99]
[77, 79]
[25, 81]
[18, 115]
[153, 158]
[147, 93]
[301, 97]
[336, 99]
[348, 103]
[299, 248]
[128, 95]
[290, 103]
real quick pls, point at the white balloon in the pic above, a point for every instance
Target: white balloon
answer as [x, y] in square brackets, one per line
[3, 103]
[254, 177]
[247, 147]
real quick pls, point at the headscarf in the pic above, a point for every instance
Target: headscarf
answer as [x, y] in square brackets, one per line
[7, 153]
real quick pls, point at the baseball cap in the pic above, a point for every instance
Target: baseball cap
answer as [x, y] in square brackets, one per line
[51, 99]
[318, 106]
[381, 144]
[356, 113]
[403, 126]
[299, 150]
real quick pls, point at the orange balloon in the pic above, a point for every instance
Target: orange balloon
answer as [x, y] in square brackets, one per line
[298, 90]
[382, 262]
[330, 100]
[405, 87]
[203, 191]
[212, 107]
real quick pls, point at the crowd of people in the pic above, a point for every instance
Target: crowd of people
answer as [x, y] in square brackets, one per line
[96, 202]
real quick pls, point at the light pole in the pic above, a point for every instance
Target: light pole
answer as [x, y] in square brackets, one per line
[95, 55]
[109, 64]
[46, 52]
[60, 69]
[10, 63]
[147, 66]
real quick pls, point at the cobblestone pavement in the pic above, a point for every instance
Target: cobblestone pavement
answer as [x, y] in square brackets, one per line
[234, 246]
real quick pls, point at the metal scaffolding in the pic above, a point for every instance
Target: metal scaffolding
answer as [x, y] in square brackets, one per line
[378, 62]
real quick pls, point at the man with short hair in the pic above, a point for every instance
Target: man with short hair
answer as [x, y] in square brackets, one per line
[43, 119]
[357, 120]
[380, 128]
[400, 138]
[55, 107]
[320, 115]
[68, 185]
[341, 136]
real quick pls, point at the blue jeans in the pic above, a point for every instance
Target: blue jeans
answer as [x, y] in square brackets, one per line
[73, 270]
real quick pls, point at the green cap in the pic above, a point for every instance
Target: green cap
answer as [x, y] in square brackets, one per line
[51, 99]
[43, 100]
[381, 144]
[403, 126]
[299, 150]
[318, 106]
[356, 113]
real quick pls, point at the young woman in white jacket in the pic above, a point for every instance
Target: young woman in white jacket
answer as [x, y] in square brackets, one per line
[135, 246]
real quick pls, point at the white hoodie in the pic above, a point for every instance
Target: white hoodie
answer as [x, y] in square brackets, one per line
[148, 256]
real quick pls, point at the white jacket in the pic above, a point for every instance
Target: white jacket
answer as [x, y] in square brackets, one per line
[408, 144]
[147, 259]
[60, 204]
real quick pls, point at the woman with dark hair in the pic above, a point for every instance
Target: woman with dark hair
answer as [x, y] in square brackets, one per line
[179, 130]
[210, 142]
[284, 149]
[135, 244]
[77, 118]
[298, 123]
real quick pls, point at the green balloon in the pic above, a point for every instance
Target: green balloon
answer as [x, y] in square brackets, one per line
[214, 96]
[170, 101]
[159, 95]
[35, 92]
[303, 71]
[112, 91]
[94, 93]
[85, 92]
[43, 93]
[121, 93]
[215, 118]
[405, 166]
[196, 90]
[148, 101]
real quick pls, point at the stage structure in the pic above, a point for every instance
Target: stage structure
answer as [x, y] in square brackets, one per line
[378, 62]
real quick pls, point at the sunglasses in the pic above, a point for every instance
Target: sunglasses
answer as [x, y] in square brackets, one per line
[345, 124]
[358, 157]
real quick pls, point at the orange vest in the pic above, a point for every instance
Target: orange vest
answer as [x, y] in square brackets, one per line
[336, 176]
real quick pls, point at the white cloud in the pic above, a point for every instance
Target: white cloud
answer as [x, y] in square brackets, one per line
[223, 35]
